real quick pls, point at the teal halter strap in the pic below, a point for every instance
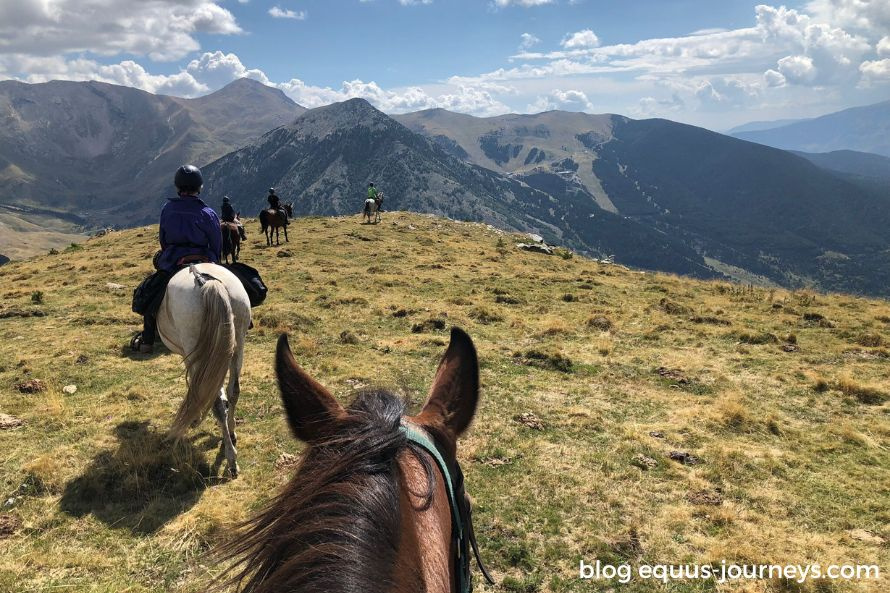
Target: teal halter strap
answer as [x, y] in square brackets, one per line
[420, 438]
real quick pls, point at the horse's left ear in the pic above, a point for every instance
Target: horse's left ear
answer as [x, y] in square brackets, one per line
[311, 410]
[455, 391]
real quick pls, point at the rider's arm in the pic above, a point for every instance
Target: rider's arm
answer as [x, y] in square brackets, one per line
[161, 233]
[214, 234]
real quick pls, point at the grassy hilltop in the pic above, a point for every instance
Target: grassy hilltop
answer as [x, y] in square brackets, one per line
[592, 375]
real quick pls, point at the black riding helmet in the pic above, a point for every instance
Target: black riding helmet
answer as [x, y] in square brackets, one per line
[188, 179]
[370, 185]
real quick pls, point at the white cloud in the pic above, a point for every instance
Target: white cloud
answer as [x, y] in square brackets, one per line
[581, 39]
[413, 2]
[160, 29]
[724, 92]
[774, 79]
[127, 73]
[867, 16]
[883, 46]
[216, 69]
[463, 99]
[877, 70]
[797, 69]
[285, 13]
[650, 106]
[571, 100]
[528, 40]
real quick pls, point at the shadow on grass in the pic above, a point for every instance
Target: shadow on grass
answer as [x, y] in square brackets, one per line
[159, 350]
[147, 481]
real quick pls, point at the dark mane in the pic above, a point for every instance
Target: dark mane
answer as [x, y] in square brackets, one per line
[335, 527]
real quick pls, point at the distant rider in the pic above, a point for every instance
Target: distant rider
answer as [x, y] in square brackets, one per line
[375, 195]
[189, 233]
[228, 215]
[275, 204]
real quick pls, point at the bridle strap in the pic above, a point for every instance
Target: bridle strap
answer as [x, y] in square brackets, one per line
[463, 535]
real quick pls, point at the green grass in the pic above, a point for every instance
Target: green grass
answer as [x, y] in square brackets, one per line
[797, 442]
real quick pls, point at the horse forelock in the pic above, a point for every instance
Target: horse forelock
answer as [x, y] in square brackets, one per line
[336, 526]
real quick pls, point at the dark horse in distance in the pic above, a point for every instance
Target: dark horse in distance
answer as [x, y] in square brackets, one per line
[272, 220]
[231, 244]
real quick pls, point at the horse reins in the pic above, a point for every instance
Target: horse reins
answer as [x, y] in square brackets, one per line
[462, 535]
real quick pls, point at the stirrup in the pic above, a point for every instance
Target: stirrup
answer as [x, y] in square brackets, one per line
[136, 342]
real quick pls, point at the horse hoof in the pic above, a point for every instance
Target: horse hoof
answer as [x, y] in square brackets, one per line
[233, 470]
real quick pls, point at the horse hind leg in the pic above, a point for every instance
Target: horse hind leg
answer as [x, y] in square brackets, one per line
[233, 391]
[221, 412]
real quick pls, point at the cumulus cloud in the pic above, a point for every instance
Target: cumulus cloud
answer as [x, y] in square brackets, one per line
[285, 13]
[581, 39]
[876, 70]
[528, 40]
[883, 46]
[725, 92]
[463, 99]
[650, 106]
[867, 16]
[163, 30]
[126, 73]
[774, 78]
[216, 69]
[412, 2]
[571, 100]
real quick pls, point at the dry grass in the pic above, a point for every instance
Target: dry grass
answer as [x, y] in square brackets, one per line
[793, 446]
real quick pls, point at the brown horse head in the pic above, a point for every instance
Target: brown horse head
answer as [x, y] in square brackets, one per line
[367, 509]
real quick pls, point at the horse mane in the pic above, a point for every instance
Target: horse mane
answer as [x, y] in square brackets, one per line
[335, 527]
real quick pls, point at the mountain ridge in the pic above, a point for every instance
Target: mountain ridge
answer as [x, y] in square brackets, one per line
[864, 129]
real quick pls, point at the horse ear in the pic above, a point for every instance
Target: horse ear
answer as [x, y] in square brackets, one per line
[311, 409]
[454, 394]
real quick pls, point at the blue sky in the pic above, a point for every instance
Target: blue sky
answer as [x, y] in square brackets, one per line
[710, 63]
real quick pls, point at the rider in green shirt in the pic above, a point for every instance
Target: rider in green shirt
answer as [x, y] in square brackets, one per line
[372, 192]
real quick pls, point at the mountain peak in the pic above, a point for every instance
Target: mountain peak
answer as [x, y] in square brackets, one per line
[321, 121]
[248, 88]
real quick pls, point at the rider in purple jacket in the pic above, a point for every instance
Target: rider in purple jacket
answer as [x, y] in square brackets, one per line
[189, 232]
[188, 227]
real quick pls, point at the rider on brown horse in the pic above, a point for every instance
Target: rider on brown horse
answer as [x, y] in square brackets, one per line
[227, 214]
[275, 204]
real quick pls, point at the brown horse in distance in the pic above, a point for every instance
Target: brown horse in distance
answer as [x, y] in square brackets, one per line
[368, 509]
[231, 241]
[272, 220]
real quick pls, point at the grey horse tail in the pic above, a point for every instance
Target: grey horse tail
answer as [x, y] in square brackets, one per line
[208, 363]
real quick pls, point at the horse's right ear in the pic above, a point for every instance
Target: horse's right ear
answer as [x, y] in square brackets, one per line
[454, 394]
[311, 410]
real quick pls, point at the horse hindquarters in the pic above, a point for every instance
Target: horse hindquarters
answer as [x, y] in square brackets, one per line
[208, 362]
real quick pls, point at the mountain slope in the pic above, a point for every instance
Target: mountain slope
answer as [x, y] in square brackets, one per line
[740, 205]
[761, 209]
[325, 159]
[521, 144]
[864, 129]
[851, 162]
[757, 126]
[108, 152]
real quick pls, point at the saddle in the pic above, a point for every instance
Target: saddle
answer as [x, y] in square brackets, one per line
[193, 259]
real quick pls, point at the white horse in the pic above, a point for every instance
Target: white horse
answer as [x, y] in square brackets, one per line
[204, 317]
[372, 207]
